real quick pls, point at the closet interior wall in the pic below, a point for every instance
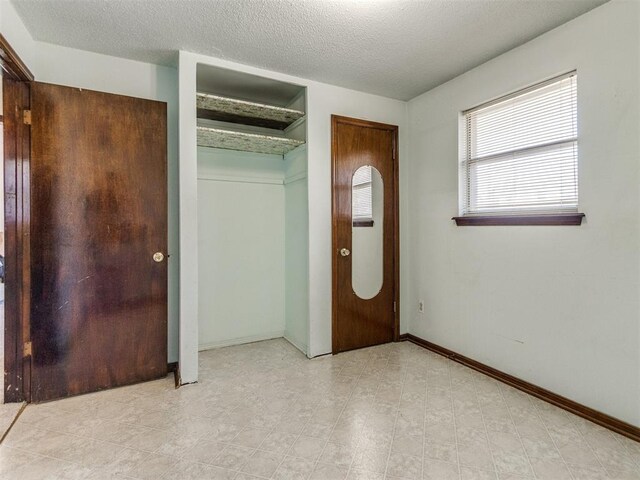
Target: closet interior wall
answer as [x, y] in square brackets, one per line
[252, 223]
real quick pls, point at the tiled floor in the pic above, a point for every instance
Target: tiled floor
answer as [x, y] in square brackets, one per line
[8, 411]
[264, 411]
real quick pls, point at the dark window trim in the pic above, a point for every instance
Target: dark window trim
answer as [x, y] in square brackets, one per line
[363, 223]
[545, 219]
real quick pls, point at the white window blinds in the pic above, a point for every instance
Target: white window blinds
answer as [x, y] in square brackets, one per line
[521, 152]
[361, 191]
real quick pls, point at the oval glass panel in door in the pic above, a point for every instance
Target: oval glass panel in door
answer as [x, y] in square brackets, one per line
[367, 210]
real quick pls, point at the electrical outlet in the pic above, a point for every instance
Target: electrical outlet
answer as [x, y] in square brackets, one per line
[421, 306]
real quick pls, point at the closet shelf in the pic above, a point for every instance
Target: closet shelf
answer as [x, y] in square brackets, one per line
[246, 142]
[214, 107]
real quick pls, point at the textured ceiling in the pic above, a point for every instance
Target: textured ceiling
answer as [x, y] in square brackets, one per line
[395, 48]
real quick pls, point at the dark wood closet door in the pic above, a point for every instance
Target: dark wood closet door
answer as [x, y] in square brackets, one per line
[17, 149]
[360, 322]
[98, 216]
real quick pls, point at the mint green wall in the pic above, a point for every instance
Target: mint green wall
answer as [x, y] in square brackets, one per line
[241, 240]
[296, 249]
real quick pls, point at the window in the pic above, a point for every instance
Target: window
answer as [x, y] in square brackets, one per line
[520, 157]
[362, 210]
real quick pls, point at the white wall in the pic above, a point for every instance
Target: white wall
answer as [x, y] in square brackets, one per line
[325, 100]
[241, 240]
[17, 35]
[296, 249]
[66, 66]
[322, 101]
[556, 306]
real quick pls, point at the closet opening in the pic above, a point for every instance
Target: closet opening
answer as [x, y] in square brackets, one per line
[252, 209]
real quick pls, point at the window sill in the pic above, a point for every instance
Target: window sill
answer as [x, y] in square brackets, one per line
[548, 219]
[363, 223]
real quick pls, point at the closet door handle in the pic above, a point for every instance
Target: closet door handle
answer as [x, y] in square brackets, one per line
[345, 252]
[158, 257]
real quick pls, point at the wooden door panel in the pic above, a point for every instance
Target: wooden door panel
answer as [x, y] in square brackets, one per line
[98, 214]
[358, 322]
[17, 372]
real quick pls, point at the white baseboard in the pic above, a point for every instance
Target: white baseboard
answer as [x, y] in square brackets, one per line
[240, 340]
[295, 178]
[299, 345]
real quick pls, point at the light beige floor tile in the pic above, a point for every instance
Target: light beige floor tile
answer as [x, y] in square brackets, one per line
[346, 434]
[93, 453]
[512, 462]
[550, 469]
[618, 458]
[530, 427]
[445, 452]
[142, 465]
[470, 421]
[223, 432]
[404, 466]
[512, 476]
[125, 462]
[371, 459]
[13, 460]
[262, 464]
[444, 432]
[505, 443]
[294, 467]
[250, 437]
[355, 474]
[540, 447]
[278, 442]
[409, 444]
[622, 475]
[8, 412]
[307, 447]
[578, 453]
[337, 454]
[475, 456]
[233, 457]
[203, 451]
[564, 434]
[55, 445]
[468, 473]
[437, 470]
[409, 426]
[584, 472]
[115, 432]
[40, 468]
[318, 430]
[472, 435]
[500, 424]
[329, 472]
[199, 471]
[375, 439]
[25, 434]
[394, 411]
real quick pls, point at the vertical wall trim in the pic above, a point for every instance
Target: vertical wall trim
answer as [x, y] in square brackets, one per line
[188, 181]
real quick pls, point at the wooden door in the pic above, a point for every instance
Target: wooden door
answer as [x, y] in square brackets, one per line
[361, 322]
[98, 215]
[17, 373]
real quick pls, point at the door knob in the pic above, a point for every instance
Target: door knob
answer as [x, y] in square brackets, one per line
[158, 257]
[345, 252]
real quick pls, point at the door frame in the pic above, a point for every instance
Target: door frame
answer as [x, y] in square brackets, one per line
[16, 164]
[335, 121]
